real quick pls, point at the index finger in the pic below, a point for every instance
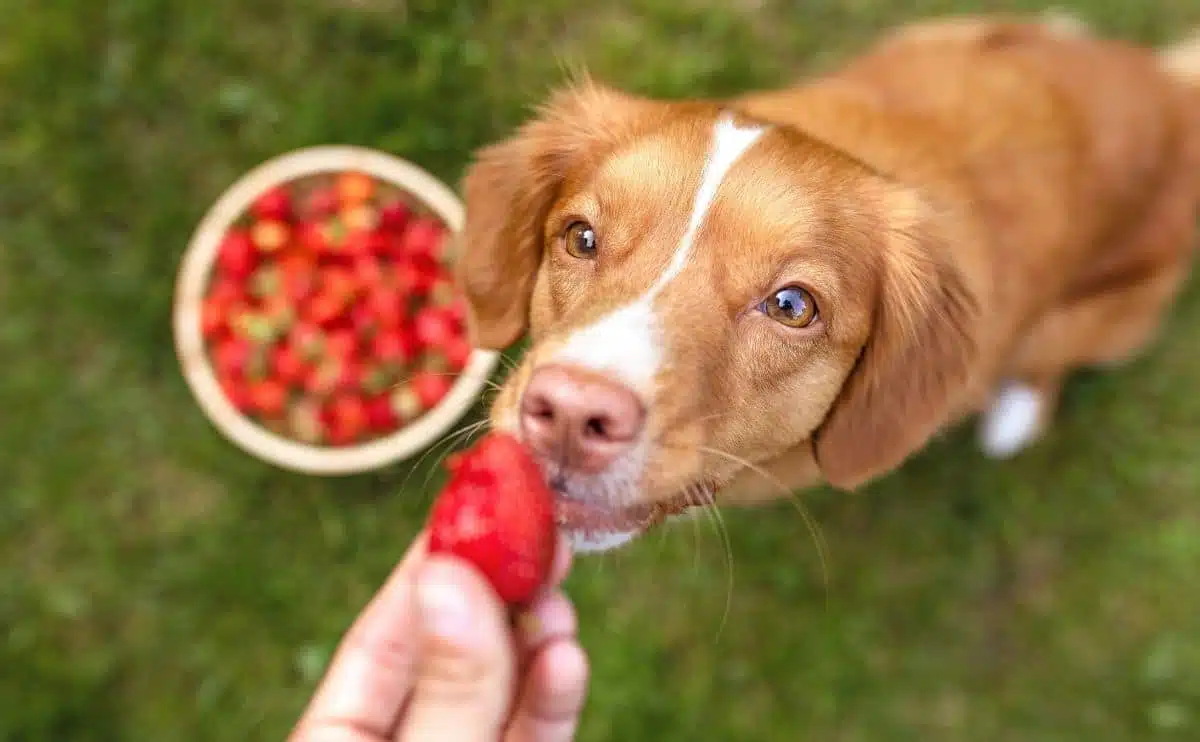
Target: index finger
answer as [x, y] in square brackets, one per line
[371, 673]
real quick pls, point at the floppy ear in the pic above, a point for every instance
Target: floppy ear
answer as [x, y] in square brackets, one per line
[914, 367]
[509, 189]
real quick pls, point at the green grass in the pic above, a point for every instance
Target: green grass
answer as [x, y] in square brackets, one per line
[155, 583]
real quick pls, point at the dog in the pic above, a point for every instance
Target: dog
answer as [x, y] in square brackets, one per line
[731, 300]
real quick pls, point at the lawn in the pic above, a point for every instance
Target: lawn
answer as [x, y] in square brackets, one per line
[157, 584]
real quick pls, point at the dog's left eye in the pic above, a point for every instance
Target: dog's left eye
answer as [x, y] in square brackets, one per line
[791, 306]
[580, 241]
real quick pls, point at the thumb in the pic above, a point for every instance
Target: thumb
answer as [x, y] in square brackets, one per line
[466, 663]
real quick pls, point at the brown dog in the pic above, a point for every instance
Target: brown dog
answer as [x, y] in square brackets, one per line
[807, 284]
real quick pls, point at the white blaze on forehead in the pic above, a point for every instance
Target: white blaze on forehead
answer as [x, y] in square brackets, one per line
[627, 342]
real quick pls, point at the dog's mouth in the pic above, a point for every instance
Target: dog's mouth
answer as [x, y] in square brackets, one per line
[605, 525]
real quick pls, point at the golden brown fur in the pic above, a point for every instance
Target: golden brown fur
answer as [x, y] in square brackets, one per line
[973, 201]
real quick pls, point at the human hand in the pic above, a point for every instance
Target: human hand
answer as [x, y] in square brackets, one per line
[435, 657]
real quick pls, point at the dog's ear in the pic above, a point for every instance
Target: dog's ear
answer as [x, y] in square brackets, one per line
[916, 361]
[509, 189]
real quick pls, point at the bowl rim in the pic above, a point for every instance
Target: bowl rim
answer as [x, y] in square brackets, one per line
[198, 260]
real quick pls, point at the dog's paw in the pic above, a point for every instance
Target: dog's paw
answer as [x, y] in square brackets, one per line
[1014, 420]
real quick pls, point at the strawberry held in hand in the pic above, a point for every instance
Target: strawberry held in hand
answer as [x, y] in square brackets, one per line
[497, 513]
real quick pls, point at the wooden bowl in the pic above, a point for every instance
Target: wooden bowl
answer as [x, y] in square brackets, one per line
[193, 279]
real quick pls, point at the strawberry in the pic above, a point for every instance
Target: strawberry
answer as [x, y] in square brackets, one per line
[313, 237]
[298, 279]
[304, 421]
[308, 339]
[347, 417]
[213, 316]
[268, 397]
[414, 278]
[287, 365]
[341, 343]
[270, 236]
[380, 415]
[388, 305]
[375, 378]
[324, 378]
[394, 217]
[497, 513]
[236, 255]
[363, 321]
[274, 204]
[457, 312]
[322, 202]
[457, 351]
[236, 357]
[237, 393]
[433, 327]
[354, 188]
[324, 309]
[393, 348]
[424, 390]
[361, 217]
[424, 239]
[265, 281]
[352, 375]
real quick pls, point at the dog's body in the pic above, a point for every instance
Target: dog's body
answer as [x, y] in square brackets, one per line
[806, 285]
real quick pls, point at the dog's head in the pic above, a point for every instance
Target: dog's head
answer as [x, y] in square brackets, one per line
[703, 292]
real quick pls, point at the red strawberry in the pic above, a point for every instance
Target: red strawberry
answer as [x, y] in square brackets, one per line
[213, 315]
[413, 278]
[430, 388]
[363, 321]
[269, 397]
[322, 202]
[237, 393]
[308, 340]
[227, 291]
[425, 389]
[324, 378]
[236, 256]
[324, 309]
[388, 305]
[497, 512]
[424, 239]
[433, 328]
[338, 281]
[393, 348]
[457, 352]
[347, 416]
[394, 217]
[275, 204]
[367, 271]
[341, 343]
[231, 357]
[352, 375]
[354, 188]
[380, 415]
[287, 365]
[270, 236]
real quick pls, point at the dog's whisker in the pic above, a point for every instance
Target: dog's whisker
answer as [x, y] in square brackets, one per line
[810, 523]
[448, 443]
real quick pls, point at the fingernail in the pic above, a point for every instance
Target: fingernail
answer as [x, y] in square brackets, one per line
[444, 609]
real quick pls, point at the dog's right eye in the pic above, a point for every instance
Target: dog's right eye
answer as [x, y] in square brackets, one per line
[580, 241]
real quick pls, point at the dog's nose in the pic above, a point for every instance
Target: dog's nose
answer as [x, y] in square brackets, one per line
[582, 417]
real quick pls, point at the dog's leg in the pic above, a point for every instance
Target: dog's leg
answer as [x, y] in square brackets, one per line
[1111, 324]
[1017, 417]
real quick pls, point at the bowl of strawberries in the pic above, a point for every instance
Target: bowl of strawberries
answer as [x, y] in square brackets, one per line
[317, 320]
